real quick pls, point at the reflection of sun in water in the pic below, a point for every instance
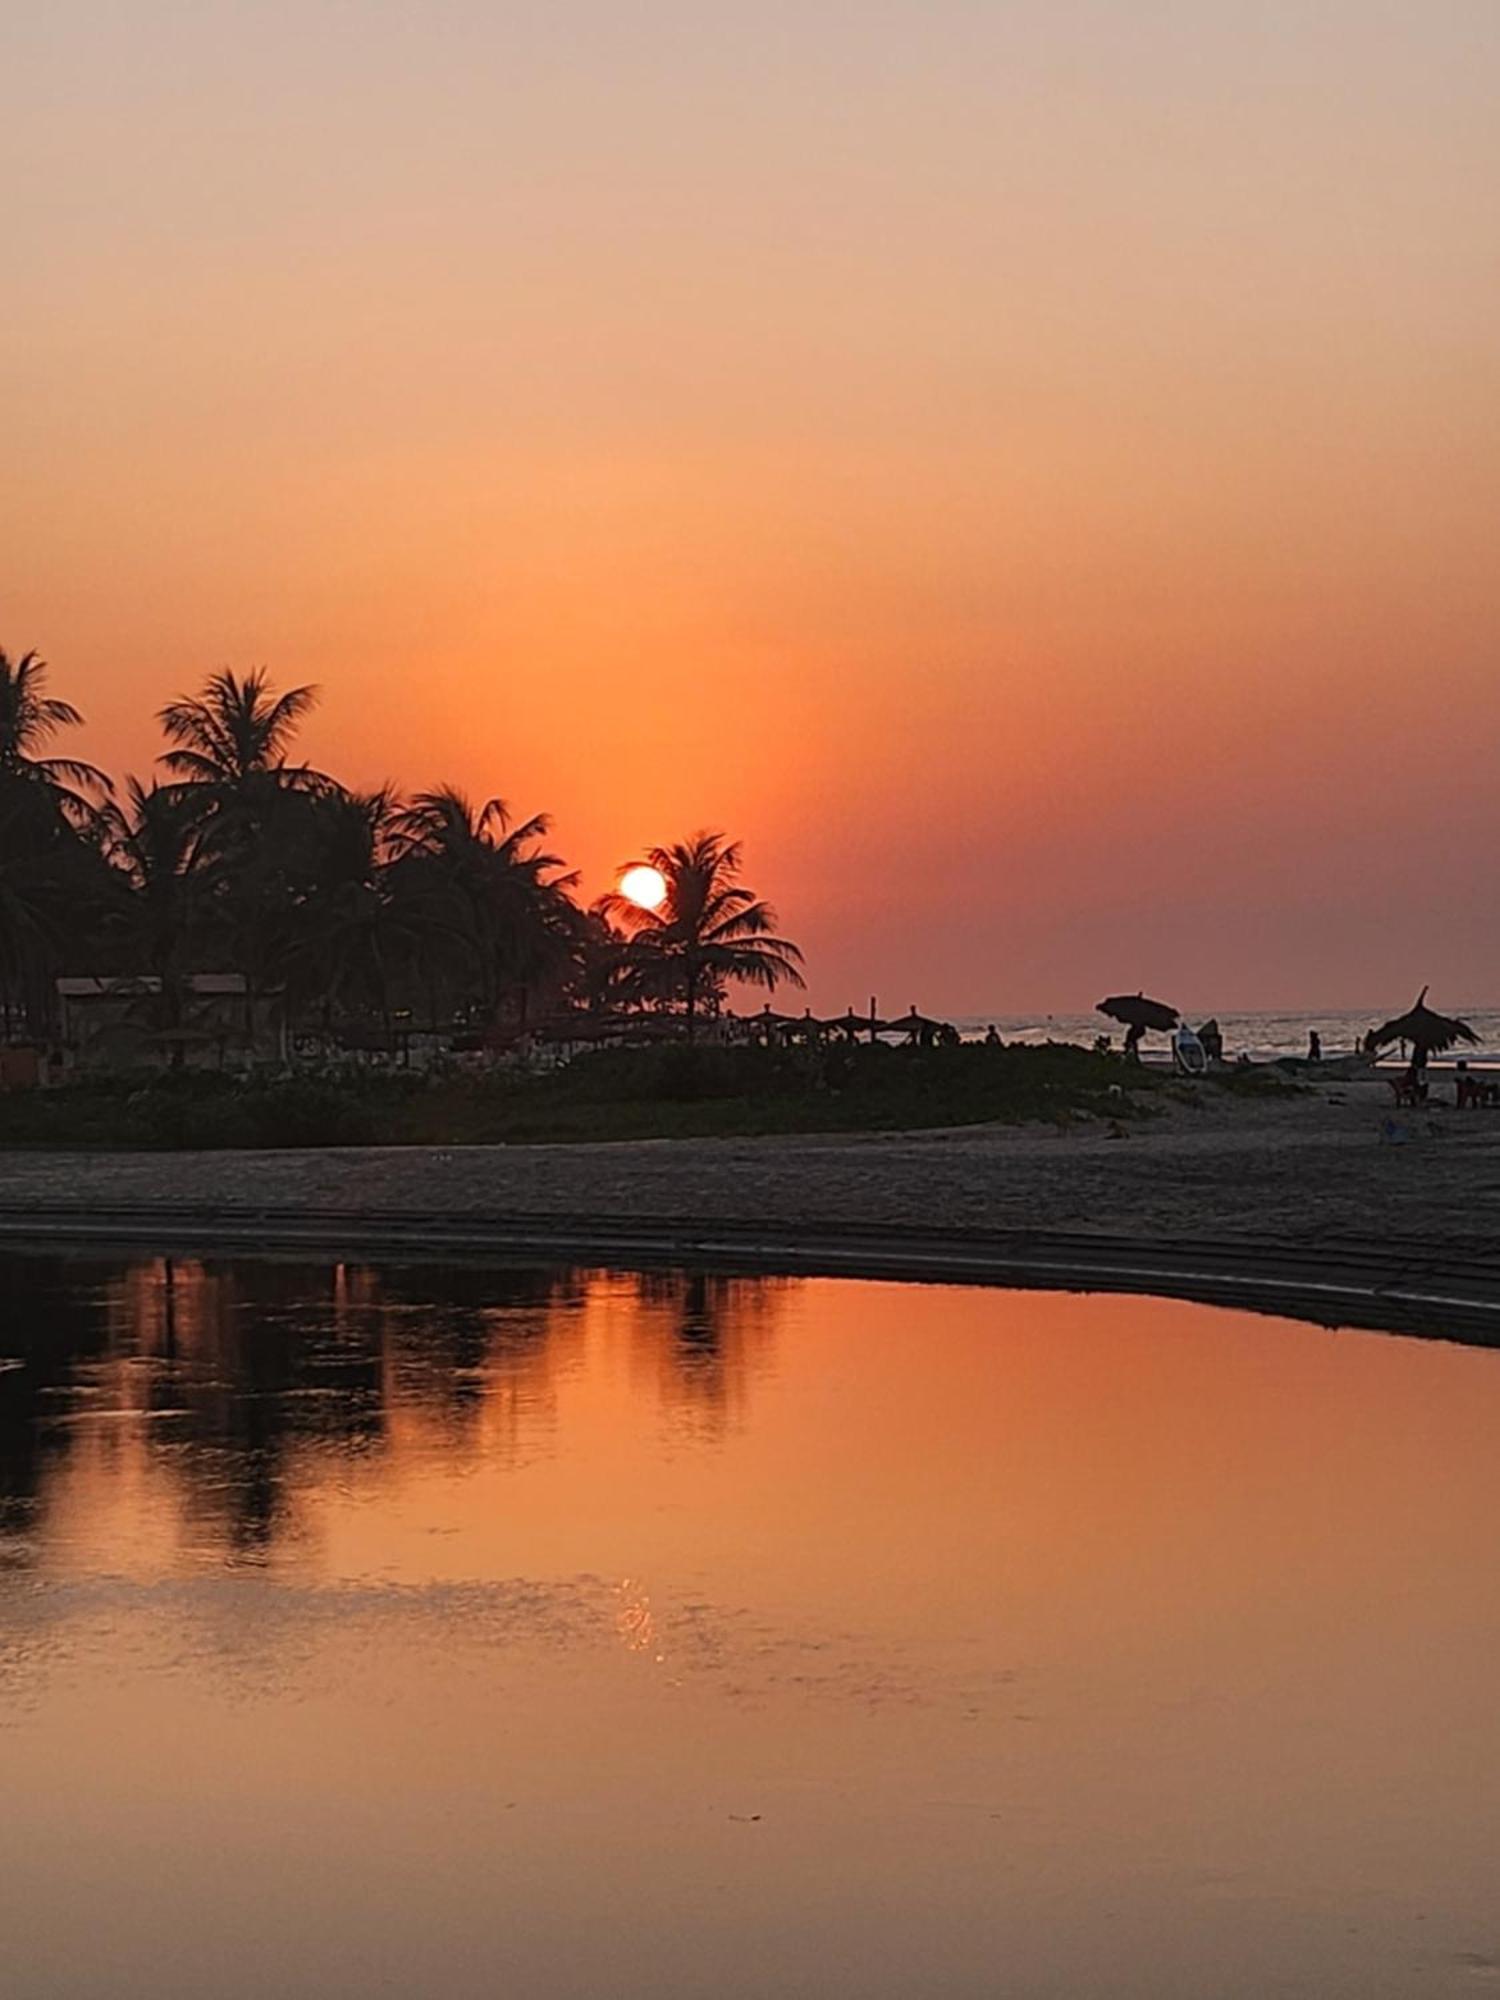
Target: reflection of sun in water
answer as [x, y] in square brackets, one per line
[636, 1622]
[645, 887]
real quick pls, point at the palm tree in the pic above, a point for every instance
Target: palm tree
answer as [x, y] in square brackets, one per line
[235, 731]
[475, 878]
[29, 719]
[229, 761]
[604, 978]
[709, 929]
[161, 915]
[49, 864]
[350, 938]
[34, 906]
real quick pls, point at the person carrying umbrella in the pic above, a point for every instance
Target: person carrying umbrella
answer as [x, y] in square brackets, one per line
[1140, 1017]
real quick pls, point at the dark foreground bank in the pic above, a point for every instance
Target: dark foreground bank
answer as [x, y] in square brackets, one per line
[662, 1092]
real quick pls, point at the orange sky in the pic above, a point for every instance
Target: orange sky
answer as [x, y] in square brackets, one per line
[1028, 469]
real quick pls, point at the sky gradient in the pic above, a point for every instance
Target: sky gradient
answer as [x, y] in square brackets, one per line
[1029, 470]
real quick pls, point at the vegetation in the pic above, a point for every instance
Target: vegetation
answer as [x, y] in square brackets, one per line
[709, 929]
[356, 910]
[677, 1090]
[364, 914]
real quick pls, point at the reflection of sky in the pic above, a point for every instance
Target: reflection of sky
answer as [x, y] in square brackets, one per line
[469, 1628]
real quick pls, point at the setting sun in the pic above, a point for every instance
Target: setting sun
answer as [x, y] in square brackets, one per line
[646, 887]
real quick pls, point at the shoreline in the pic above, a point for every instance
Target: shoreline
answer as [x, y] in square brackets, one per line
[1297, 1206]
[1376, 1284]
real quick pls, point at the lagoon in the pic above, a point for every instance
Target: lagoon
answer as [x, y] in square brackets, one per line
[466, 1631]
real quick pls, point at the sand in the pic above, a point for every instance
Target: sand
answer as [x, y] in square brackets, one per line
[1296, 1171]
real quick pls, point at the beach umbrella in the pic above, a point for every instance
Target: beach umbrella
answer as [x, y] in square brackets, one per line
[1424, 1028]
[853, 1024]
[911, 1023]
[770, 1025]
[1134, 1010]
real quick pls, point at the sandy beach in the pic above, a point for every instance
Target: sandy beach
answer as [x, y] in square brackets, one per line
[1299, 1171]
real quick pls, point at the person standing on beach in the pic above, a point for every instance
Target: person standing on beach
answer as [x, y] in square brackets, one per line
[1314, 1046]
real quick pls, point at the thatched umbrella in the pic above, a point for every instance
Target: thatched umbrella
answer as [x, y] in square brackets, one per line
[853, 1025]
[771, 1026]
[1134, 1010]
[1424, 1028]
[911, 1023]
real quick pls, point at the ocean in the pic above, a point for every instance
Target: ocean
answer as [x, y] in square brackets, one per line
[1261, 1036]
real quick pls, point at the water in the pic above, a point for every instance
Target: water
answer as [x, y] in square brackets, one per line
[1260, 1036]
[566, 1633]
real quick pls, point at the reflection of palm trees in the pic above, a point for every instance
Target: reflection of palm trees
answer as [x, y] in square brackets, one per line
[470, 1357]
[240, 1385]
[51, 1329]
[705, 1337]
[224, 1402]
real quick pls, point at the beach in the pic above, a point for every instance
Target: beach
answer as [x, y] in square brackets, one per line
[1255, 1173]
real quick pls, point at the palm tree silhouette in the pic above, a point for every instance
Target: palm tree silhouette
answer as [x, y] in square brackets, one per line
[50, 871]
[243, 856]
[29, 719]
[160, 914]
[350, 937]
[709, 929]
[472, 876]
[229, 761]
[235, 731]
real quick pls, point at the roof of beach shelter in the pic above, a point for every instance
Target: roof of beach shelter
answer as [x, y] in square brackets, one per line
[912, 1022]
[1423, 1027]
[855, 1022]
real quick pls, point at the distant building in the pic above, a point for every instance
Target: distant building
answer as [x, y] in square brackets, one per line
[113, 1024]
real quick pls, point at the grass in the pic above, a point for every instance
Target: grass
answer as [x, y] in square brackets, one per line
[656, 1093]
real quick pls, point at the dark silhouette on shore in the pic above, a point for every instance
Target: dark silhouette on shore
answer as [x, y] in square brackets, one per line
[1140, 1016]
[1427, 1033]
[708, 930]
[365, 915]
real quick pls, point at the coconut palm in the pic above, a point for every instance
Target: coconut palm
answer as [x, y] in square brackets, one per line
[33, 906]
[237, 730]
[160, 921]
[29, 719]
[49, 866]
[709, 930]
[350, 938]
[230, 763]
[473, 877]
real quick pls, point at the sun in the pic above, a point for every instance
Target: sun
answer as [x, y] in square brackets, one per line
[645, 887]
